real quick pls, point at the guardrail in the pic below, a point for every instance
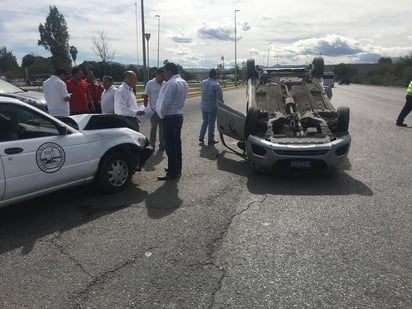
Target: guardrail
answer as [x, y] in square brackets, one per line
[193, 91]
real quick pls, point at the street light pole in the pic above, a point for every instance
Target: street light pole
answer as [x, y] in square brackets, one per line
[147, 36]
[222, 67]
[144, 47]
[235, 50]
[158, 38]
[269, 45]
[137, 39]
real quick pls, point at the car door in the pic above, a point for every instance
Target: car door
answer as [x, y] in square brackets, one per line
[230, 122]
[38, 156]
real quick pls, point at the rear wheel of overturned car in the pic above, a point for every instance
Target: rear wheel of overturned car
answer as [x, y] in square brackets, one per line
[250, 122]
[251, 69]
[319, 67]
[114, 172]
[343, 119]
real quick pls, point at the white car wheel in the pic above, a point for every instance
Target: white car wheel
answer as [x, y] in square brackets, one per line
[118, 173]
[114, 173]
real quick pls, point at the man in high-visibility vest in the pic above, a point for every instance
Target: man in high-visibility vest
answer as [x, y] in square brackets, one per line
[407, 108]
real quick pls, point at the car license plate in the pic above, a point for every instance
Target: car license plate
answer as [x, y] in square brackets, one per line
[300, 164]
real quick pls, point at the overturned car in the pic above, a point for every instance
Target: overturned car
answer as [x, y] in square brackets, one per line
[290, 124]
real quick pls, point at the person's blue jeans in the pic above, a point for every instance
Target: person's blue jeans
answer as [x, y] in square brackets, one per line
[208, 123]
[172, 128]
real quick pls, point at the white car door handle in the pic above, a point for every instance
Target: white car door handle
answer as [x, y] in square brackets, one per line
[13, 150]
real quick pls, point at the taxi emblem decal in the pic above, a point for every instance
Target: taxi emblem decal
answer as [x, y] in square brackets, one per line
[50, 157]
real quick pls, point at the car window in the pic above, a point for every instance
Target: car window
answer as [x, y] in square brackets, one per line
[16, 123]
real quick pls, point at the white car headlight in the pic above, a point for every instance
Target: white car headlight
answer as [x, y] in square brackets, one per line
[141, 141]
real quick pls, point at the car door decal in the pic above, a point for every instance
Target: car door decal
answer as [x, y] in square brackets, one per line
[50, 157]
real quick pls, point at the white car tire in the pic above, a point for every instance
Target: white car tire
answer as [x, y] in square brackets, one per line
[114, 172]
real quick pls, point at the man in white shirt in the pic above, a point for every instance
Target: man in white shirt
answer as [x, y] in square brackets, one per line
[125, 99]
[107, 100]
[150, 95]
[169, 107]
[56, 95]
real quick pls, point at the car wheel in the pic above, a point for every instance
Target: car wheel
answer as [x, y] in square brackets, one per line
[319, 67]
[114, 172]
[251, 68]
[343, 119]
[250, 122]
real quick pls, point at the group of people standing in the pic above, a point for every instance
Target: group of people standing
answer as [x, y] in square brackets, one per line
[77, 95]
[165, 95]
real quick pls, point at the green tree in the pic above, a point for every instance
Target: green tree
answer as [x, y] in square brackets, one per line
[343, 70]
[28, 60]
[54, 37]
[37, 66]
[385, 60]
[8, 63]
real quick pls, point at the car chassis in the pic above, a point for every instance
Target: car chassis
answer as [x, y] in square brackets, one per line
[290, 124]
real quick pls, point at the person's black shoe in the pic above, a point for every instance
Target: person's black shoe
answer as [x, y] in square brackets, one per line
[212, 143]
[401, 124]
[167, 177]
[201, 142]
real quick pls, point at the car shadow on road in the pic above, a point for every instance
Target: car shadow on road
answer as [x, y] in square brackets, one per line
[154, 160]
[209, 152]
[164, 201]
[21, 225]
[340, 183]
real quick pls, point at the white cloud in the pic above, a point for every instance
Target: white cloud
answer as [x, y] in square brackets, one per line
[197, 34]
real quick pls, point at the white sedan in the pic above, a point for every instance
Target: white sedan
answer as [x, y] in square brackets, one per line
[40, 154]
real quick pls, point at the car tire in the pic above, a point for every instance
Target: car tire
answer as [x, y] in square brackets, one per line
[114, 173]
[251, 69]
[319, 67]
[250, 122]
[343, 119]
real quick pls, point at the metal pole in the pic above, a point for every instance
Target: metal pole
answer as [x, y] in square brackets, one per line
[268, 54]
[137, 39]
[147, 35]
[158, 38]
[235, 50]
[221, 68]
[144, 47]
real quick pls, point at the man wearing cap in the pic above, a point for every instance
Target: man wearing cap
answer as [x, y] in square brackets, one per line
[56, 95]
[169, 107]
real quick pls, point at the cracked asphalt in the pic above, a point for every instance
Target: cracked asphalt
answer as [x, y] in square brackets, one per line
[225, 236]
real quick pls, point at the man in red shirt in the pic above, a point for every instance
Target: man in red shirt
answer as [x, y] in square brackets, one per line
[95, 90]
[80, 99]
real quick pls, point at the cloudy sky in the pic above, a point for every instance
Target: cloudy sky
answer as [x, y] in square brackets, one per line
[197, 34]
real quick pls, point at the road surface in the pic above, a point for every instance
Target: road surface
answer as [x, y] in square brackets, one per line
[225, 236]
